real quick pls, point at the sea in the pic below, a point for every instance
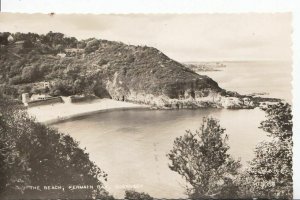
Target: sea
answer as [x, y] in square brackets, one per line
[131, 145]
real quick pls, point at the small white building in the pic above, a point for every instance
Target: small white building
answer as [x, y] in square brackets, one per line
[36, 97]
[10, 38]
[46, 84]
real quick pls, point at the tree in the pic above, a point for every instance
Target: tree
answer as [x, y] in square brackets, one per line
[279, 121]
[81, 44]
[15, 80]
[30, 74]
[34, 154]
[30, 37]
[62, 87]
[28, 44]
[52, 38]
[70, 42]
[202, 159]
[78, 86]
[13, 168]
[3, 38]
[92, 46]
[73, 71]
[133, 195]
[270, 173]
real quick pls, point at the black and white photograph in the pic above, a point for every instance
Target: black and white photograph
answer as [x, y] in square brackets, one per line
[146, 106]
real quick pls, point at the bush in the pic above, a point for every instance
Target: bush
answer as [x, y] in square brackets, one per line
[92, 46]
[133, 195]
[30, 74]
[15, 80]
[62, 87]
[81, 44]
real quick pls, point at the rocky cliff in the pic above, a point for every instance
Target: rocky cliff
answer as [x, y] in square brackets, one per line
[146, 75]
[112, 69]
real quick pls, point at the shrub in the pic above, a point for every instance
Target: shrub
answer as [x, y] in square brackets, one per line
[133, 195]
[30, 74]
[92, 46]
[15, 80]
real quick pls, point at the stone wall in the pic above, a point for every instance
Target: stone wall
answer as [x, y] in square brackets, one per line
[49, 101]
[78, 99]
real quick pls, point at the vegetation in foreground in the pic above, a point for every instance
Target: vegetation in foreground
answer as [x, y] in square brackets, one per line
[134, 195]
[32, 154]
[270, 174]
[202, 159]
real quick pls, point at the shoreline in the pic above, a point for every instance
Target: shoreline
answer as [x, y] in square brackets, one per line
[85, 114]
[60, 112]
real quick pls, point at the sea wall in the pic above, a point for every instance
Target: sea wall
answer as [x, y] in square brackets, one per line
[79, 99]
[52, 100]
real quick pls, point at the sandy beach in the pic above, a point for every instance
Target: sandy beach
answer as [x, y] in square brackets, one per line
[62, 111]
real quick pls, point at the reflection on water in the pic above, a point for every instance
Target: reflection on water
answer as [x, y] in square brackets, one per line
[131, 145]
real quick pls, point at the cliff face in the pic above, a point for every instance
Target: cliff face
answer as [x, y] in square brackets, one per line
[115, 70]
[146, 75]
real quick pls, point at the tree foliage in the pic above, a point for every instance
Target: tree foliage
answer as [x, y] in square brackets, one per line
[13, 168]
[133, 195]
[34, 154]
[134, 68]
[92, 45]
[270, 173]
[279, 121]
[3, 38]
[202, 159]
[30, 74]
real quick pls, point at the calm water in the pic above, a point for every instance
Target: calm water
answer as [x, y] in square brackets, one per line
[131, 145]
[273, 77]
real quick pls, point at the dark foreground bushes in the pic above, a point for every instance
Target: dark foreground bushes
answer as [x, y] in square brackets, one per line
[33, 155]
[202, 159]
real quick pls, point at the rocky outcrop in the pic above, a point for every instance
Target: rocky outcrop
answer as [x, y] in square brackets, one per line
[185, 95]
[147, 76]
[154, 79]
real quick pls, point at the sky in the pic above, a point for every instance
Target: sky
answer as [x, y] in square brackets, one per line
[183, 37]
